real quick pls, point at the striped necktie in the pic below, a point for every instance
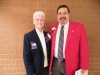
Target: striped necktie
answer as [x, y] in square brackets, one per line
[60, 45]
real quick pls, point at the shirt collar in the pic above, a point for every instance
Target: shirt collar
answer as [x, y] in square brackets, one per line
[65, 26]
[38, 32]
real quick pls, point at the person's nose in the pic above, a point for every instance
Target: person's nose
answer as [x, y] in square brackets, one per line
[62, 15]
[39, 20]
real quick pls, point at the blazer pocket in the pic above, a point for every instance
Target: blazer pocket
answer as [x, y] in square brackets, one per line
[76, 37]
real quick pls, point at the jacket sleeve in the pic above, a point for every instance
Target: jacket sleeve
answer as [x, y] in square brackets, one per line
[84, 52]
[28, 60]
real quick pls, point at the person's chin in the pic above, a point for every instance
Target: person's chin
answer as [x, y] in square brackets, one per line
[62, 23]
[40, 26]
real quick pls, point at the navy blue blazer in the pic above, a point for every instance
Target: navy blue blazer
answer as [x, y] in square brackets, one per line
[33, 53]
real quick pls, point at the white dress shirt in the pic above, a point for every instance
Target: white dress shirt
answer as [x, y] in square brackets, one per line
[42, 40]
[57, 39]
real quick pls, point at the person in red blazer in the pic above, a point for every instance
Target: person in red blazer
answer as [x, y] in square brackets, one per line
[75, 47]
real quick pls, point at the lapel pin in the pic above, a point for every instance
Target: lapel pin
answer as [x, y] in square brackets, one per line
[33, 45]
[72, 31]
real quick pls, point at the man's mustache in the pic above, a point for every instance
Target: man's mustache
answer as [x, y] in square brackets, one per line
[62, 18]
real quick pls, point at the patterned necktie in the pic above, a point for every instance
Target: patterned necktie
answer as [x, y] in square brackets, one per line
[60, 45]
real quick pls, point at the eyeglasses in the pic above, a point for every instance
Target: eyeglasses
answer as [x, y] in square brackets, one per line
[39, 20]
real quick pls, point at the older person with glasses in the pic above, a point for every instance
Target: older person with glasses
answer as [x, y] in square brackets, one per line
[36, 47]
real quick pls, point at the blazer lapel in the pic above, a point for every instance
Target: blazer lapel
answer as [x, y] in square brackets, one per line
[71, 31]
[45, 34]
[35, 35]
[54, 38]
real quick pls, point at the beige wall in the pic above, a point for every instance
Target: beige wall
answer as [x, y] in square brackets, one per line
[16, 20]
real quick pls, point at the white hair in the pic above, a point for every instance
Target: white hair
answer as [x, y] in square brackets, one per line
[38, 13]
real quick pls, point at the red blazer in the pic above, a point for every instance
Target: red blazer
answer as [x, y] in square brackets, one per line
[76, 50]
